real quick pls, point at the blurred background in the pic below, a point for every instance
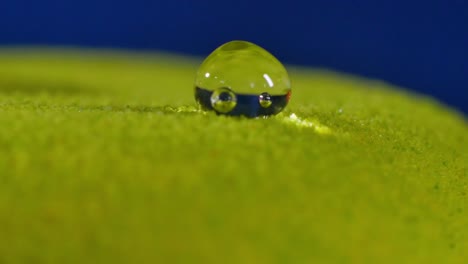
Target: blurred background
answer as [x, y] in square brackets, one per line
[419, 45]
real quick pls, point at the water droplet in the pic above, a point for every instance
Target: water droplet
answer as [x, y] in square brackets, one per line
[223, 100]
[265, 100]
[249, 71]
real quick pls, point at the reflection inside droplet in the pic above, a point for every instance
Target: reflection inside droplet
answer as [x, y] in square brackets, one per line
[265, 100]
[223, 100]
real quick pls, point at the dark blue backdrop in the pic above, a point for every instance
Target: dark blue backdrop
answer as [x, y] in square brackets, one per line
[421, 45]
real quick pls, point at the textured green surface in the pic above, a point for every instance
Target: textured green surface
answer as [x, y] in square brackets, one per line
[104, 158]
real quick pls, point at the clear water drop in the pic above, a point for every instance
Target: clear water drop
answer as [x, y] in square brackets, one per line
[257, 83]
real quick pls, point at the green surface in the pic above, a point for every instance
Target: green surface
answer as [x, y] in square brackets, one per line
[104, 158]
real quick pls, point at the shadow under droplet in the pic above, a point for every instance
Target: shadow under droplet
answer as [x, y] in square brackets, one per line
[28, 85]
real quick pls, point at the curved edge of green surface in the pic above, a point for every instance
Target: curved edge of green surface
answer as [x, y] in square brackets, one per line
[32, 60]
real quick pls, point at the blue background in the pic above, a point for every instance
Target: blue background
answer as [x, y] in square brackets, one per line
[420, 45]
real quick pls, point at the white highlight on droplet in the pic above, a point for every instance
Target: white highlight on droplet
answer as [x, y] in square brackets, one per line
[268, 79]
[207, 74]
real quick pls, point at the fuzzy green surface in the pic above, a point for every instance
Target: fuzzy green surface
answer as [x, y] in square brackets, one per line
[104, 159]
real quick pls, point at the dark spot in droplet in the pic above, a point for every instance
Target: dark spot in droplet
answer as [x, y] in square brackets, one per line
[225, 96]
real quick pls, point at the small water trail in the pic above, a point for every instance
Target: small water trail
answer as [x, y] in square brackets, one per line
[319, 128]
